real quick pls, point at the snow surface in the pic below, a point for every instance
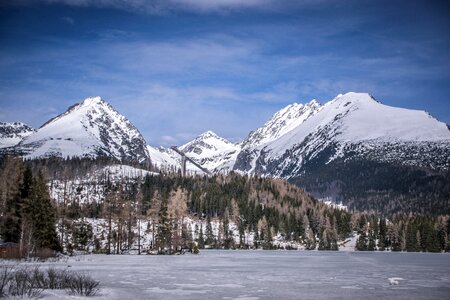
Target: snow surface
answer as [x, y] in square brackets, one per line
[13, 133]
[85, 129]
[211, 151]
[281, 123]
[162, 157]
[356, 117]
[353, 119]
[261, 274]
[354, 124]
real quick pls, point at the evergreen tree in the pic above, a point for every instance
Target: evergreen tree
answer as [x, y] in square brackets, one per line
[362, 242]
[209, 233]
[371, 241]
[163, 239]
[382, 232]
[11, 181]
[42, 215]
[201, 238]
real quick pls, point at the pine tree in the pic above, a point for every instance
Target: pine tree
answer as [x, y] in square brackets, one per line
[361, 243]
[209, 233]
[382, 239]
[42, 215]
[201, 238]
[163, 239]
[11, 181]
[371, 241]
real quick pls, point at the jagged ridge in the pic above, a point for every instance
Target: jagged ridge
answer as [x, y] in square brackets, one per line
[90, 128]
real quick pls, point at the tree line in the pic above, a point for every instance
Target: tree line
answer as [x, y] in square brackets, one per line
[28, 216]
[262, 211]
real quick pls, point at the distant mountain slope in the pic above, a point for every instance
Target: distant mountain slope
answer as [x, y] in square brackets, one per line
[352, 149]
[211, 151]
[12, 133]
[90, 128]
[351, 135]
[355, 124]
[281, 123]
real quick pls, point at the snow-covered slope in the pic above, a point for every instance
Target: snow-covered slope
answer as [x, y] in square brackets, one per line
[12, 133]
[354, 122]
[90, 128]
[211, 151]
[281, 123]
[164, 158]
[356, 117]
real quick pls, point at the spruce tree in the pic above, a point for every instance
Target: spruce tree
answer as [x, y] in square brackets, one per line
[163, 239]
[209, 233]
[10, 196]
[382, 240]
[42, 215]
[201, 238]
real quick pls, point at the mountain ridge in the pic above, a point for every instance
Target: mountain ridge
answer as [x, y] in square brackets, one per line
[89, 128]
[322, 148]
[12, 133]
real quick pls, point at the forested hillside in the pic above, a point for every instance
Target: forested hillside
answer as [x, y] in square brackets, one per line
[91, 206]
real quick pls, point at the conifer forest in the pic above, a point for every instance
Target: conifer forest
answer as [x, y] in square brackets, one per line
[46, 205]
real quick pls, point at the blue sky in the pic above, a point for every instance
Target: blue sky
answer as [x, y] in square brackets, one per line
[177, 68]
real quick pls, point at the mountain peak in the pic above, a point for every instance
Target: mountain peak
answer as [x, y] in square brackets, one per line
[92, 101]
[12, 133]
[89, 128]
[353, 96]
[282, 122]
[209, 134]
[313, 103]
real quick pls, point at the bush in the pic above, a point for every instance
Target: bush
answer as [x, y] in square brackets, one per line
[83, 285]
[26, 282]
[5, 278]
[23, 281]
[57, 279]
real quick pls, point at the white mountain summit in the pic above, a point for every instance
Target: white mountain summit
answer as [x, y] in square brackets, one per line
[293, 140]
[352, 123]
[12, 133]
[90, 128]
[211, 151]
[281, 123]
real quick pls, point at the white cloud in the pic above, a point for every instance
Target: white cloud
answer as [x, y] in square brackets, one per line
[167, 139]
[200, 56]
[198, 6]
[68, 20]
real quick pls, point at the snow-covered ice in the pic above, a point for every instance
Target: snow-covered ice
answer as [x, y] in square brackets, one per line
[238, 274]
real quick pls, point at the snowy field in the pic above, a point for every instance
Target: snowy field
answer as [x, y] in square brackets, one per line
[216, 274]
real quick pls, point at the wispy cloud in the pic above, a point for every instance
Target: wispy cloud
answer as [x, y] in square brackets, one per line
[68, 20]
[175, 89]
[183, 112]
[178, 74]
[159, 7]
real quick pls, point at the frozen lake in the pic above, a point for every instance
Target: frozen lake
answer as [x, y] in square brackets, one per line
[267, 275]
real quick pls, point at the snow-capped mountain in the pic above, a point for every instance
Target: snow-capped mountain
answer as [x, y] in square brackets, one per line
[211, 151]
[12, 133]
[90, 128]
[359, 151]
[164, 158]
[208, 149]
[352, 149]
[281, 123]
[352, 123]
